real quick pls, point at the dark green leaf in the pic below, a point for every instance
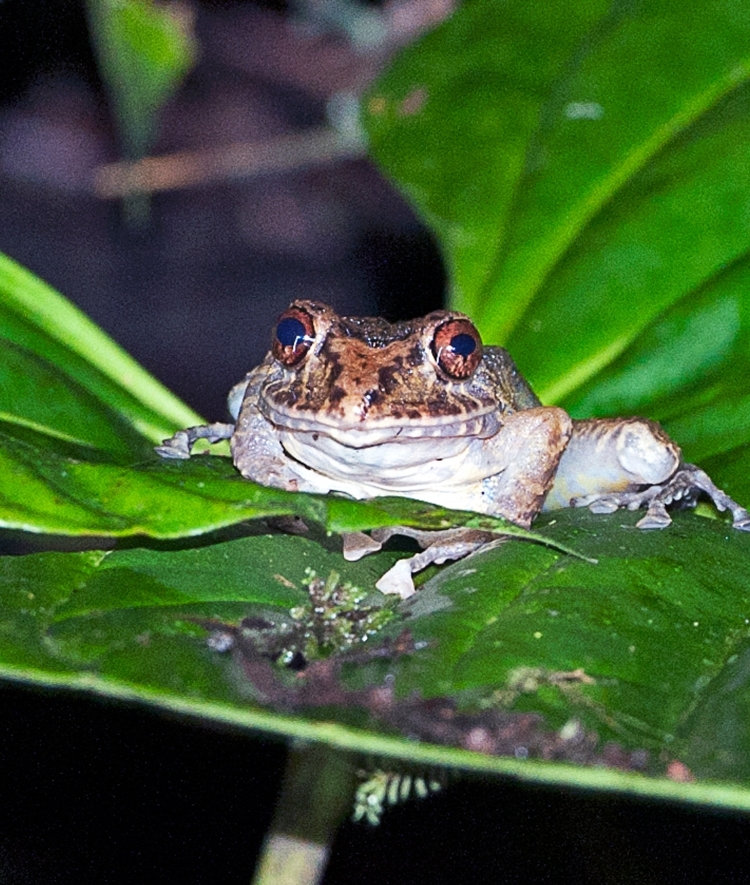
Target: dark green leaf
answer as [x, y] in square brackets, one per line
[679, 595]
[519, 629]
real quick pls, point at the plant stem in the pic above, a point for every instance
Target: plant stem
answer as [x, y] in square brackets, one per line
[316, 792]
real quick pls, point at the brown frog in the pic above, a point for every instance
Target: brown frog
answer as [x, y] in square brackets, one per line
[423, 409]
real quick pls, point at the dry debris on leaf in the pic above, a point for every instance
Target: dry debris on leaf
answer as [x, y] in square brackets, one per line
[318, 683]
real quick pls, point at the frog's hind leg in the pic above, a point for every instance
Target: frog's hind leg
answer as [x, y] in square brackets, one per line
[181, 444]
[613, 463]
[437, 547]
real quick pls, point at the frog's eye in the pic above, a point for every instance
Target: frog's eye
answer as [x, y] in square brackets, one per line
[293, 336]
[457, 348]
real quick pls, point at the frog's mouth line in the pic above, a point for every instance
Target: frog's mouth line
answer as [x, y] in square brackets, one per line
[375, 431]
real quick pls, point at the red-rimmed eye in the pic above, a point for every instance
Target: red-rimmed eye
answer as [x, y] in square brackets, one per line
[293, 336]
[457, 348]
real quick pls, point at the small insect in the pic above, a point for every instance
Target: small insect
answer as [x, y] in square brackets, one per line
[383, 788]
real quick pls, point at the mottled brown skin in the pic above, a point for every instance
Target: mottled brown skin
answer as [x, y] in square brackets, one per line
[370, 408]
[364, 368]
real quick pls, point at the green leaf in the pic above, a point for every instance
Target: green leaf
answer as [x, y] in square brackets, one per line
[619, 619]
[584, 168]
[520, 630]
[144, 51]
[524, 615]
[454, 117]
[34, 394]
[44, 490]
[63, 376]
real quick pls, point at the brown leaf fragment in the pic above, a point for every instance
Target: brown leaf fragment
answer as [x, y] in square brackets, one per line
[679, 772]
[503, 733]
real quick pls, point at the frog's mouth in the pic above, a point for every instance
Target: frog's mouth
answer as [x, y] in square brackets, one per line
[323, 430]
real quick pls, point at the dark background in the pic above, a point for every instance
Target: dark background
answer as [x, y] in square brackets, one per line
[92, 791]
[193, 293]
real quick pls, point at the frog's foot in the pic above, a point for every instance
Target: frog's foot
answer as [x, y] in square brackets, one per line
[438, 547]
[359, 544]
[683, 488]
[181, 444]
[398, 579]
[690, 482]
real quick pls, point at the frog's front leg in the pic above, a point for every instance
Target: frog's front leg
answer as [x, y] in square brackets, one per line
[631, 462]
[526, 454]
[181, 444]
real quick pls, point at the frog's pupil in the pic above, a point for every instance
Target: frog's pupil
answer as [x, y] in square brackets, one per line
[463, 344]
[289, 331]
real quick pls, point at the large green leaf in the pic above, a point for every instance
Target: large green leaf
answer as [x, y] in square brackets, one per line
[584, 169]
[584, 166]
[516, 631]
[500, 634]
[63, 376]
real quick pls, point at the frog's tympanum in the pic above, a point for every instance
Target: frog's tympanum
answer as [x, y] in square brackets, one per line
[423, 409]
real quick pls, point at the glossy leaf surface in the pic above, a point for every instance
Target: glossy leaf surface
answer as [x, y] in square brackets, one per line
[518, 629]
[584, 167]
[592, 205]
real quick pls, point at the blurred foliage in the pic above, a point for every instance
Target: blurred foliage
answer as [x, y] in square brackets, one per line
[144, 51]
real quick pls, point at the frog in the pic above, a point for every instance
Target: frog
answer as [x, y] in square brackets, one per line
[424, 409]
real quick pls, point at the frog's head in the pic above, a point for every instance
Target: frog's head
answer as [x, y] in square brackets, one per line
[364, 381]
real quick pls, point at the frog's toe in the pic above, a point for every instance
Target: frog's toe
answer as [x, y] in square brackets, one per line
[397, 580]
[177, 446]
[181, 444]
[603, 505]
[358, 544]
[656, 517]
[598, 504]
[696, 481]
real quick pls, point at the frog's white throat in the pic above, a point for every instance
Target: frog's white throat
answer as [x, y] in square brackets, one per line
[432, 468]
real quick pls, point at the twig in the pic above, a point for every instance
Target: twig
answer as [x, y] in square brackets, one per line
[315, 146]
